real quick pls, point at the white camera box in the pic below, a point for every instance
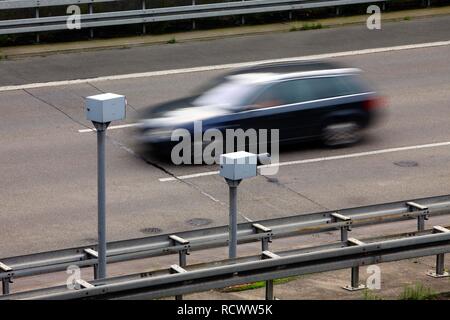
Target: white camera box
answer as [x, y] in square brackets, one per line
[105, 107]
[238, 165]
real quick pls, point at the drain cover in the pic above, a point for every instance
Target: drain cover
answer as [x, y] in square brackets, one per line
[199, 222]
[151, 230]
[406, 164]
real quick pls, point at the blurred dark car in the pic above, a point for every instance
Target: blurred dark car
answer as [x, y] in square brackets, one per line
[304, 100]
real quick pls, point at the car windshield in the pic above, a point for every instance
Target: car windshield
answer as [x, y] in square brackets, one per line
[231, 94]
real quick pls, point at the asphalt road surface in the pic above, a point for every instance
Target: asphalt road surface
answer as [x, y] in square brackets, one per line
[48, 167]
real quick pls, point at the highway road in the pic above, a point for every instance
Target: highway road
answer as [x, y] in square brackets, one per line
[48, 167]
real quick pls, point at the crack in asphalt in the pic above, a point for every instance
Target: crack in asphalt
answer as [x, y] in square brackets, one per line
[56, 108]
[284, 186]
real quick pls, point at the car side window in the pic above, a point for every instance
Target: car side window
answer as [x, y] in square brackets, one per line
[281, 93]
[328, 87]
[269, 97]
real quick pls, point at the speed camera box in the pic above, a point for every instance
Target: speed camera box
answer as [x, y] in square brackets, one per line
[105, 107]
[238, 165]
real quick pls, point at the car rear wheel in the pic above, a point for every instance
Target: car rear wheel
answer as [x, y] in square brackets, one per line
[341, 134]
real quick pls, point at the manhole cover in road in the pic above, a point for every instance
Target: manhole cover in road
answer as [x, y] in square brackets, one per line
[151, 230]
[199, 222]
[406, 164]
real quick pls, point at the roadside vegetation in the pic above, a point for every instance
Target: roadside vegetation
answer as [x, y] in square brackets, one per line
[257, 285]
[413, 292]
[307, 26]
[172, 40]
[370, 295]
[418, 292]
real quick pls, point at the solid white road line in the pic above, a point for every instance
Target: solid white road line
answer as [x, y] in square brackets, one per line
[223, 66]
[111, 128]
[190, 176]
[339, 157]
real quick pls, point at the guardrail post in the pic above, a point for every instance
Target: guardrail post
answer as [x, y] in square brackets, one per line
[96, 275]
[5, 285]
[265, 247]
[440, 265]
[5, 281]
[440, 258]
[91, 253]
[36, 14]
[336, 217]
[344, 234]
[269, 283]
[423, 214]
[354, 281]
[355, 277]
[242, 17]
[182, 260]
[266, 254]
[91, 11]
[265, 243]
[182, 257]
[193, 20]
[420, 223]
[144, 28]
[177, 269]
[181, 254]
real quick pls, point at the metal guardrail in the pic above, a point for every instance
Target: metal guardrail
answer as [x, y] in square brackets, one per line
[21, 4]
[265, 267]
[143, 15]
[263, 230]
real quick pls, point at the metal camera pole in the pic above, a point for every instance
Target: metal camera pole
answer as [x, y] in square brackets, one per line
[232, 228]
[101, 191]
[101, 110]
[235, 167]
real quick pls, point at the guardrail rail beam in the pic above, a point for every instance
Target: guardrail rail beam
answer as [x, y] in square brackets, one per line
[225, 273]
[215, 237]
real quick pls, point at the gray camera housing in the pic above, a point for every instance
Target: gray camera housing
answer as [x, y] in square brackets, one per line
[106, 107]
